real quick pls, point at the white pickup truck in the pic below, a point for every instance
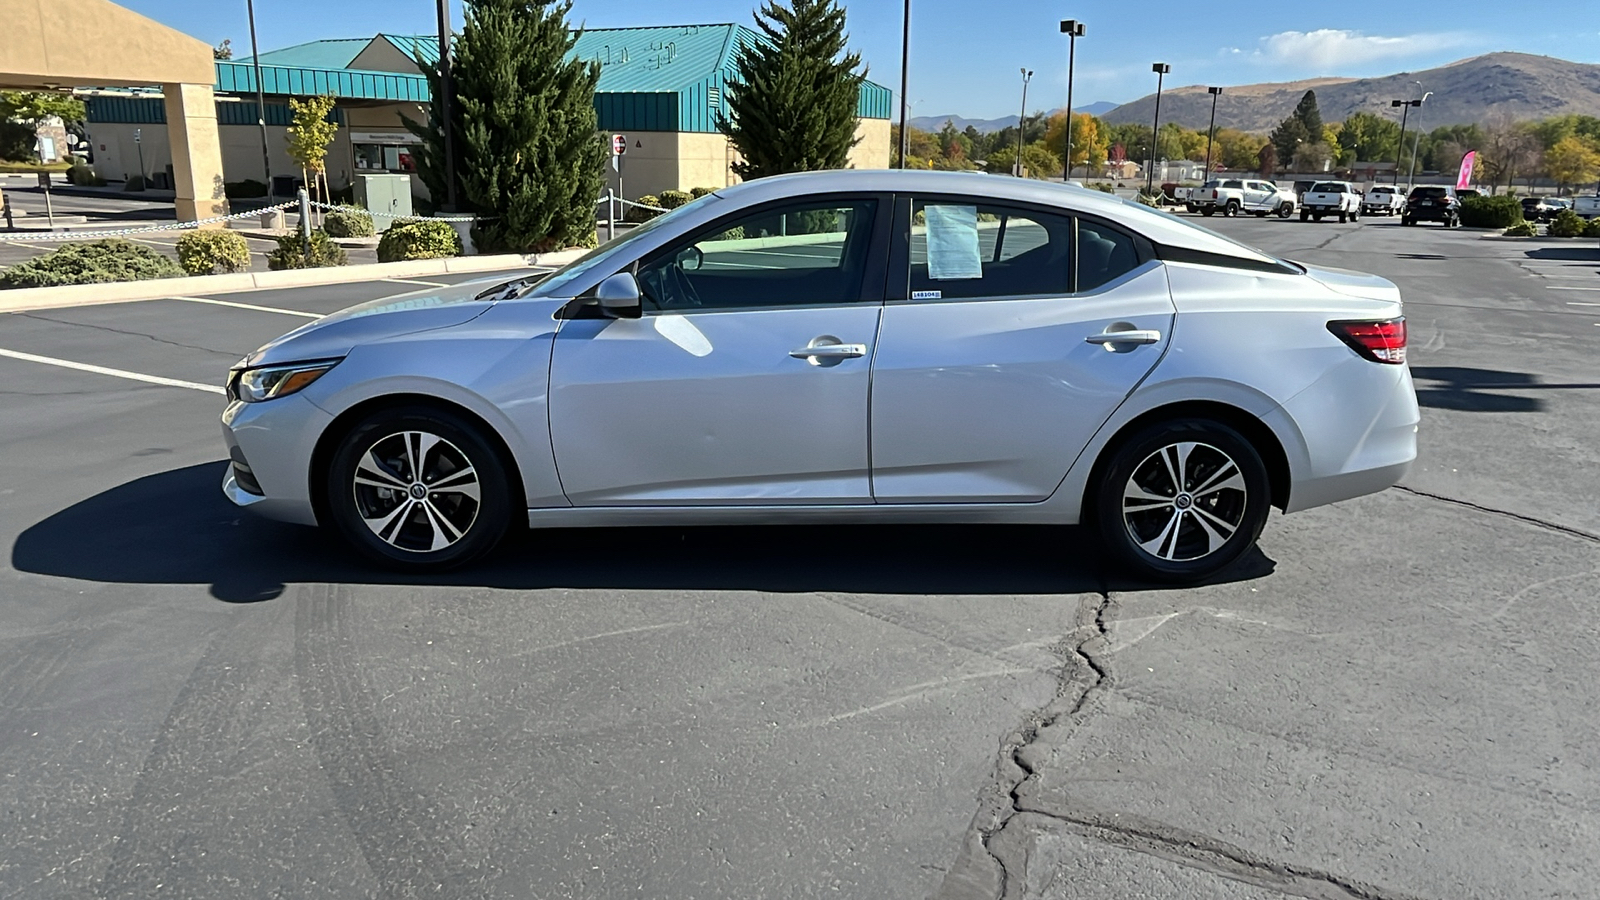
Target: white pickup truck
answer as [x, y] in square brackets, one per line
[1587, 207]
[1330, 198]
[1383, 200]
[1235, 195]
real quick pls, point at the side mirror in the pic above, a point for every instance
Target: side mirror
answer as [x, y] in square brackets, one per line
[691, 258]
[618, 296]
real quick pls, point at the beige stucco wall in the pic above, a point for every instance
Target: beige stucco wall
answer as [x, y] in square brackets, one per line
[382, 56]
[703, 161]
[94, 42]
[872, 148]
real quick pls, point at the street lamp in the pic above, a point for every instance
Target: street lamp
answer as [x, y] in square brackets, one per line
[1073, 29]
[1211, 132]
[1416, 139]
[1399, 152]
[261, 98]
[1161, 70]
[905, 74]
[1022, 121]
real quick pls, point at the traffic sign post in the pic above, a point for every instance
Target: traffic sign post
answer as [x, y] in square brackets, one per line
[619, 146]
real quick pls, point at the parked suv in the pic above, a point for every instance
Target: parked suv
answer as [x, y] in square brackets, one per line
[1430, 203]
[1539, 209]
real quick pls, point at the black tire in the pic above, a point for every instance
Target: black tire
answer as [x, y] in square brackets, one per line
[454, 528]
[1317, 216]
[1208, 211]
[1135, 462]
[1231, 210]
[1285, 210]
[1405, 220]
[1355, 216]
[1343, 217]
[1304, 216]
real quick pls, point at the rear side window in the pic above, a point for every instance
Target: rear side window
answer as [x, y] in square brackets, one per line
[1232, 184]
[1104, 254]
[965, 251]
[1430, 193]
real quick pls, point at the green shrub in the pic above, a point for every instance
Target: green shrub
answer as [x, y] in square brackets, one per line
[674, 199]
[348, 223]
[1523, 229]
[639, 213]
[209, 252]
[249, 187]
[1566, 224]
[80, 174]
[699, 192]
[1490, 212]
[289, 255]
[1591, 228]
[419, 239]
[134, 184]
[91, 262]
[1103, 186]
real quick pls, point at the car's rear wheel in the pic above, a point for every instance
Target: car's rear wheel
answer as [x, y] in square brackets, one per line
[1181, 500]
[1304, 215]
[1285, 210]
[1231, 210]
[418, 488]
[1208, 211]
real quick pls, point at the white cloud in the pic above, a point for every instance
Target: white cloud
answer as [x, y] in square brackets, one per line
[1327, 48]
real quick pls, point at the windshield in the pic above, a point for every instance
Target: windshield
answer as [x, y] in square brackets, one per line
[1430, 192]
[555, 285]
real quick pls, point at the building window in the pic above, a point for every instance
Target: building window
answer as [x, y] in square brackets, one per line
[384, 158]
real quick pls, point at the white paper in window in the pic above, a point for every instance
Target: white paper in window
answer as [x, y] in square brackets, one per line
[953, 243]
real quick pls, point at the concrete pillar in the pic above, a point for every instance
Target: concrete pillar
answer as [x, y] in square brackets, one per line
[196, 151]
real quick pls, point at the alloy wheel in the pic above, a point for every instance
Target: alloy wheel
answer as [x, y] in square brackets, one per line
[416, 491]
[1184, 501]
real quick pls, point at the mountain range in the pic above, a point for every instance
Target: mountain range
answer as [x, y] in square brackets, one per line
[1514, 85]
[988, 126]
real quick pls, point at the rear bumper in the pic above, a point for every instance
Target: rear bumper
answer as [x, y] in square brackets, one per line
[1359, 424]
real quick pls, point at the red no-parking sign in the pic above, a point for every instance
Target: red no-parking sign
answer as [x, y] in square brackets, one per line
[619, 144]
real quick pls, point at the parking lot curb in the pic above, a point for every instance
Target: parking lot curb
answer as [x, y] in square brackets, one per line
[30, 299]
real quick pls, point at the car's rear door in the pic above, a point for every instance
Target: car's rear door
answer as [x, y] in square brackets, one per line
[745, 381]
[1010, 335]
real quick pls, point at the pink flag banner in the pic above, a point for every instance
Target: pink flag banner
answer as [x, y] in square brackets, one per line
[1464, 180]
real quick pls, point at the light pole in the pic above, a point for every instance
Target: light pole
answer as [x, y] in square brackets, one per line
[1022, 121]
[1399, 152]
[261, 98]
[1211, 132]
[446, 96]
[1416, 139]
[138, 135]
[1161, 70]
[905, 75]
[1073, 29]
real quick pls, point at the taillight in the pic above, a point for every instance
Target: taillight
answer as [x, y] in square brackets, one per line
[1383, 342]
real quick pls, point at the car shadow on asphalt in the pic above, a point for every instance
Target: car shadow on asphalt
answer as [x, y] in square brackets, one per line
[1466, 389]
[176, 528]
[1586, 253]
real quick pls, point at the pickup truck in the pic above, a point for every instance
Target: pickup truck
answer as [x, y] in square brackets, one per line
[1587, 207]
[1235, 195]
[1328, 198]
[1383, 200]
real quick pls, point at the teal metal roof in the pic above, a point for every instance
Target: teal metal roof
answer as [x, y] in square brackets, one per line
[329, 54]
[301, 81]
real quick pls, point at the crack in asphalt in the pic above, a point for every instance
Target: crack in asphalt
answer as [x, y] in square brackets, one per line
[1567, 530]
[39, 318]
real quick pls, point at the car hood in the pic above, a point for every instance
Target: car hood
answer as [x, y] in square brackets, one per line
[335, 335]
[1354, 284]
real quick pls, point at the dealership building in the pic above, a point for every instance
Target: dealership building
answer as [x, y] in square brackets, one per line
[663, 88]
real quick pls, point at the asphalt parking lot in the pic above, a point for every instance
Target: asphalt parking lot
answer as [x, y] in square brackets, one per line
[1393, 699]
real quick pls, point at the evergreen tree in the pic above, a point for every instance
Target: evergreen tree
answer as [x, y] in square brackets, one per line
[1310, 117]
[793, 98]
[529, 161]
[1287, 138]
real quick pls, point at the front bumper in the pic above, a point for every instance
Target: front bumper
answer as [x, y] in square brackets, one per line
[275, 440]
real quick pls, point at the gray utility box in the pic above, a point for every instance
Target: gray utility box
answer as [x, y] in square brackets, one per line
[386, 196]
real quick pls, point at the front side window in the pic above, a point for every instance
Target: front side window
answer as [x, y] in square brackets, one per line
[796, 255]
[972, 250]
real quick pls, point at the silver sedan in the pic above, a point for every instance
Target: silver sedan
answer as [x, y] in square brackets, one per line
[856, 346]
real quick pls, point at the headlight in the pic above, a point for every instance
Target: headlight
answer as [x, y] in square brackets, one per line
[267, 382]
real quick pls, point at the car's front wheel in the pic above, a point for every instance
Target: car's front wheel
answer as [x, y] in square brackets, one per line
[1181, 500]
[1285, 210]
[418, 488]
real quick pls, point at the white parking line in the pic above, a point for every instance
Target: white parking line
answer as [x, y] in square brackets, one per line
[250, 306]
[115, 373]
[415, 281]
[1563, 287]
[1580, 303]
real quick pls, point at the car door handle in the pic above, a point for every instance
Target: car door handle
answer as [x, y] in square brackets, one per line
[1138, 336]
[830, 351]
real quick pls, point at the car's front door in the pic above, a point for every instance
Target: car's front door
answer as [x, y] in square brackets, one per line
[1010, 335]
[745, 379]
[1256, 194]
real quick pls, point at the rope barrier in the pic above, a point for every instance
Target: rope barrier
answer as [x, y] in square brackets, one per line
[94, 233]
[383, 215]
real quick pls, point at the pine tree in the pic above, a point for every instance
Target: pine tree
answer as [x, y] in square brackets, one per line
[529, 161]
[1310, 117]
[793, 98]
[1286, 138]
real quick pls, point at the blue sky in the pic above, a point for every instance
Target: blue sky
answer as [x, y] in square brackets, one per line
[965, 54]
